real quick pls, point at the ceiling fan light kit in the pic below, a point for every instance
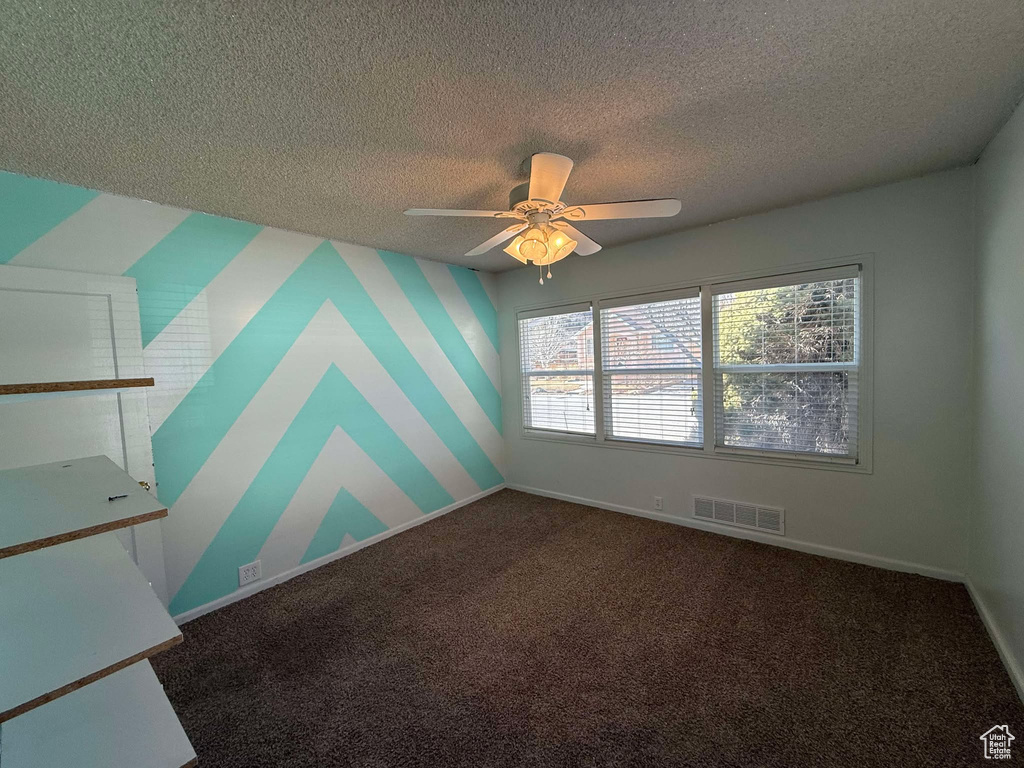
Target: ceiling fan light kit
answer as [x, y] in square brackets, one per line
[542, 245]
[548, 235]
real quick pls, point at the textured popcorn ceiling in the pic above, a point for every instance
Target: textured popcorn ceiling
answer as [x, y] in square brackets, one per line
[333, 118]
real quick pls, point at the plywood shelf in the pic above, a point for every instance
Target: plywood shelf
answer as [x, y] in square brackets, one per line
[70, 615]
[50, 504]
[42, 387]
[121, 720]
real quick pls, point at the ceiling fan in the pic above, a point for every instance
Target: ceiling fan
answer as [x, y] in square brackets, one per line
[536, 207]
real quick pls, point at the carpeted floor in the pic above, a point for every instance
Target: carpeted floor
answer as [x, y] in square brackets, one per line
[521, 631]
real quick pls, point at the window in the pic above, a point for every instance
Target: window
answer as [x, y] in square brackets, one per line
[651, 370]
[784, 377]
[557, 358]
[786, 364]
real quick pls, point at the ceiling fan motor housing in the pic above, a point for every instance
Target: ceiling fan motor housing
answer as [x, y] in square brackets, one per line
[519, 202]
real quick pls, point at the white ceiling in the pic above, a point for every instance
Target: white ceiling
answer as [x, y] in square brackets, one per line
[331, 118]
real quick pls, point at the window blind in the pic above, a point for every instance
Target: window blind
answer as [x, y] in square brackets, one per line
[651, 371]
[786, 358]
[557, 361]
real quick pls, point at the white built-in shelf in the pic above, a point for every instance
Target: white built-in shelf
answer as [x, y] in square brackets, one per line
[121, 720]
[71, 614]
[50, 504]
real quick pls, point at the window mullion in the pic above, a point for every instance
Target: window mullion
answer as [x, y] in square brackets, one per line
[600, 392]
[709, 395]
[525, 419]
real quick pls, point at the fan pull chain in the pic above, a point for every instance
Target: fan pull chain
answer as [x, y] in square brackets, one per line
[541, 270]
[549, 273]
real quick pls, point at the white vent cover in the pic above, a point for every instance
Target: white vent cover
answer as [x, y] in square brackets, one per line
[703, 508]
[740, 514]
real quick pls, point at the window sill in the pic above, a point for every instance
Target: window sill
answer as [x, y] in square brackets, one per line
[830, 464]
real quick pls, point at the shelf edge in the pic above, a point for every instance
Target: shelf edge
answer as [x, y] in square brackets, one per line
[46, 698]
[82, 533]
[43, 387]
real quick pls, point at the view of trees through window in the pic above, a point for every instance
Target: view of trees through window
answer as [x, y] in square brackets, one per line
[785, 368]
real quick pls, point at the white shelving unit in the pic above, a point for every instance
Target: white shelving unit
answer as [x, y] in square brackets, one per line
[121, 720]
[73, 613]
[52, 503]
[77, 622]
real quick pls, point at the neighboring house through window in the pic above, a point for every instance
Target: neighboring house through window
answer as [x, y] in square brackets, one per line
[785, 373]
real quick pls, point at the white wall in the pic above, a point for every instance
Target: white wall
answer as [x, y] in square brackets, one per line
[912, 507]
[995, 565]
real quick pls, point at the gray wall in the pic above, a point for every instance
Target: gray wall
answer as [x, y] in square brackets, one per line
[997, 519]
[911, 509]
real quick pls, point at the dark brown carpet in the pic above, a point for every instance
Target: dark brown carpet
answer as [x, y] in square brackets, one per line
[521, 631]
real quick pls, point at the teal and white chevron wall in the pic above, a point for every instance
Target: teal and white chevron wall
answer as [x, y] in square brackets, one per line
[309, 393]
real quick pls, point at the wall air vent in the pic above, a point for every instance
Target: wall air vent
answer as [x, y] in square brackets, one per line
[703, 508]
[740, 514]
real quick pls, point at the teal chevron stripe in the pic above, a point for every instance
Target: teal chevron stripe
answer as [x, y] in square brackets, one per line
[29, 208]
[345, 515]
[430, 309]
[190, 434]
[471, 287]
[373, 328]
[373, 435]
[334, 402]
[177, 268]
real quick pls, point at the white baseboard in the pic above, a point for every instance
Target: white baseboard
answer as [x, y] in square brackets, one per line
[764, 538]
[244, 592]
[1013, 668]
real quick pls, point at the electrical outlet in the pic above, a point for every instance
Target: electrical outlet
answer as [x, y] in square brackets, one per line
[250, 573]
[658, 504]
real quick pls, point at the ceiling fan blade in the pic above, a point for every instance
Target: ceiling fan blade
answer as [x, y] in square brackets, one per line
[584, 245]
[454, 212]
[548, 174]
[632, 209]
[498, 239]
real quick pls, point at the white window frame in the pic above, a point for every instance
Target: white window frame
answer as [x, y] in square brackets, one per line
[524, 379]
[779, 281]
[603, 384]
[708, 285]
